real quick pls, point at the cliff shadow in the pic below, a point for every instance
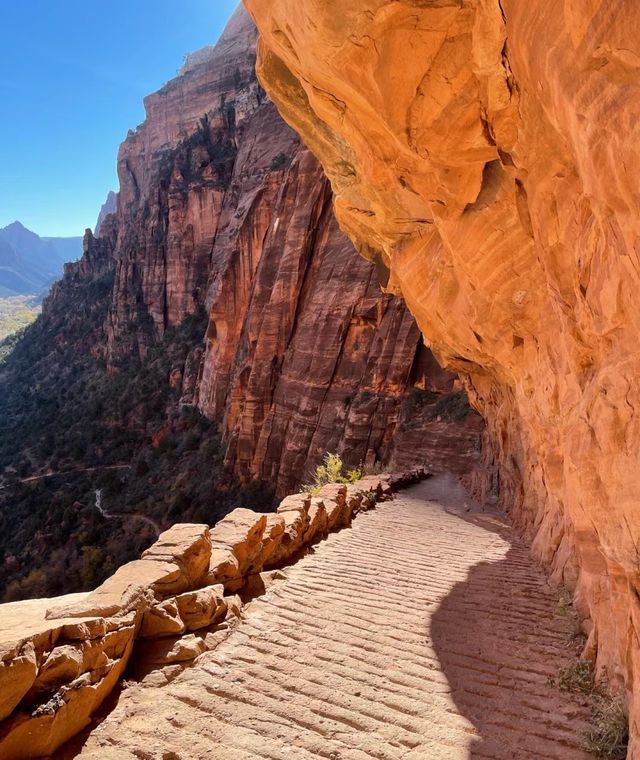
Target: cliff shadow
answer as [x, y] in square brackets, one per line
[499, 636]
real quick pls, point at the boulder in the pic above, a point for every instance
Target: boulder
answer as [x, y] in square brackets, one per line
[354, 497]
[234, 606]
[62, 665]
[397, 480]
[296, 522]
[162, 620]
[132, 587]
[387, 488]
[171, 649]
[177, 561]
[188, 546]
[272, 537]
[202, 608]
[224, 567]
[17, 676]
[241, 531]
[296, 502]
[334, 496]
[375, 488]
[40, 732]
[91, 628]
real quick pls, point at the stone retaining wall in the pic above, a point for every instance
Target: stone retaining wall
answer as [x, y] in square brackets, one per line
[60, 658]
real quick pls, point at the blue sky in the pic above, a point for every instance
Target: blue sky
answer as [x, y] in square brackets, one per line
[73, 74]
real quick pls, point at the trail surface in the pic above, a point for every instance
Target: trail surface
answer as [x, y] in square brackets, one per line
[425, 632]
[46, 475]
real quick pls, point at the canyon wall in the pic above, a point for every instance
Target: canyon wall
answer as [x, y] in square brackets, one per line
[485, 155]
[222, 209]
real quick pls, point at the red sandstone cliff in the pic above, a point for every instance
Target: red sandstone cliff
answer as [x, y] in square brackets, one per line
[221, 206]
[486, 153]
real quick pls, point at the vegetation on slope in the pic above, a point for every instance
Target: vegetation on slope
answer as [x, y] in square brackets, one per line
[607, 735]
[16, 312]
[96, 461]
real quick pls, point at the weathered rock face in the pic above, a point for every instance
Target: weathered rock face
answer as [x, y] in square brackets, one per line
[221, 207]
[486, 153]
[305, 355]
[174, 170]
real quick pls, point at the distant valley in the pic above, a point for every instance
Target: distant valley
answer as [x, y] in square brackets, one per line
[16, 312]
[29, 265]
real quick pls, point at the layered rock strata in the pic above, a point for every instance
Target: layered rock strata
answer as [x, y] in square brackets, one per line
[485, 154]
[60, 658]
[221, 208]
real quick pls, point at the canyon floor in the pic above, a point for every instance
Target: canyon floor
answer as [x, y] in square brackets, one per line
[424, 631]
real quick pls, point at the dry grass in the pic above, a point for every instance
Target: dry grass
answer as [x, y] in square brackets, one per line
[609, 733]
[565, 602]
[576, 678]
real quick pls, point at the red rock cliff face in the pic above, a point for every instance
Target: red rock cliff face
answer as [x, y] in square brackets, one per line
[221, 206]
[486, 153]
[174, 171]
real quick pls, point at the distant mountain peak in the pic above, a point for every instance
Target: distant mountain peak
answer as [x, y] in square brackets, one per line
[17, 225]
[110, 206]
[29, 264]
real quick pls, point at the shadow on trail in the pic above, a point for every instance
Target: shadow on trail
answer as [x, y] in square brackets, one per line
[499, 638]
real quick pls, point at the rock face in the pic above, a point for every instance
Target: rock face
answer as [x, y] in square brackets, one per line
[174, 170]
[485, 154]
[221, 208]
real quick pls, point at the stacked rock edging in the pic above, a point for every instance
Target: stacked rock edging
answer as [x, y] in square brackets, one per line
[60, 658]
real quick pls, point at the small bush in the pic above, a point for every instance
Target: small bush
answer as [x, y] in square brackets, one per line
[279, 162]
[331, 471]
[608, 734]
[453, 407]
[377, 468]
[565, 602]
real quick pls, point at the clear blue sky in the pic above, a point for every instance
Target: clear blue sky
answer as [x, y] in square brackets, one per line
[73, 74]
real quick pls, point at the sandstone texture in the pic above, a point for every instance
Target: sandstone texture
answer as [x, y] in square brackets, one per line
[485, 155]
[224, 217]
[55, 674]
[60, 658]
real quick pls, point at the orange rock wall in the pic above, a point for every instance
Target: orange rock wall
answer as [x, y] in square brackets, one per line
[486, 153]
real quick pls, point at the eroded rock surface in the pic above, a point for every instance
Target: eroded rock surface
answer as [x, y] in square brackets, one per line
[486, 155]
[55, 674]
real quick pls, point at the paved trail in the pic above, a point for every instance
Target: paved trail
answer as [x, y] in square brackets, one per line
[417, 634]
